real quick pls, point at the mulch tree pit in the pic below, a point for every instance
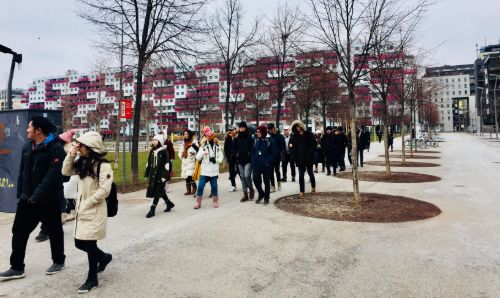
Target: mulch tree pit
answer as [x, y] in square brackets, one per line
[378, 208]
[412, 157]
[400, 164]
[395, 177]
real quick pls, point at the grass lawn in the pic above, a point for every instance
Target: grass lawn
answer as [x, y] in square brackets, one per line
[143, 159]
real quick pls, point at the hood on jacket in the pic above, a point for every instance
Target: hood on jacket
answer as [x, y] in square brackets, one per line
[297, 123]
[93, 140]
[160, 139]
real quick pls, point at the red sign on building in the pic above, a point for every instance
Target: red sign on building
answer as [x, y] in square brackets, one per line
[126, 109]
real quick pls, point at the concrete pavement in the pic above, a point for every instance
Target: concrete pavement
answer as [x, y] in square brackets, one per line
[248, 250]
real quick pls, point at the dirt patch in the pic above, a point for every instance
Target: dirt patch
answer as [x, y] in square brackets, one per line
[395, 177]
[380, 208]
[400, 164]
[419, 151]
[412, 157]
[134, 201]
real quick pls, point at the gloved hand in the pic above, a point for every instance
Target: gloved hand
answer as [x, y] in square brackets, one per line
[163, 179]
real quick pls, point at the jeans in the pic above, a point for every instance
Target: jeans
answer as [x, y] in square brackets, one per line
[302, 170]
[264, 173]
[213, 186]
[27, 218]
[233, 170]
[94, 254]
[284, 165]
[245, 176]
[276, 169]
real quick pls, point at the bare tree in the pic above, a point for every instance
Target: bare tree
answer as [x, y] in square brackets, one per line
[151, 28]
[283, 38]
[350, 29]
[230, 43]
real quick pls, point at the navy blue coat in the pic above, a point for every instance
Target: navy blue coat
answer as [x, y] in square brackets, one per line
[263, 153]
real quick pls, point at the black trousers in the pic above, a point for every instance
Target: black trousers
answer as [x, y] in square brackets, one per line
[275, 171]
[258, 176]
[302, 170]
[156, 199]
[94, 254]
[233, 170]
[284, 165]
[27, 218]
[360, 154]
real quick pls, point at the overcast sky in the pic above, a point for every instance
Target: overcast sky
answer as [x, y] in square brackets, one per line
[53, 39]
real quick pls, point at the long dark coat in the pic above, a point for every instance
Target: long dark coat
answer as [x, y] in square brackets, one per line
[155, 172]
[303, 146]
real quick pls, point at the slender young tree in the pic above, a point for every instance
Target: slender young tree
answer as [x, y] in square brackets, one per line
[151, 29]
[283, 39]
[230, 42]
[350, 28]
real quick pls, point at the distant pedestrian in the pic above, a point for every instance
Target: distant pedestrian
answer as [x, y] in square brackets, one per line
[343, 143]
[95, 177]
[40, 193]
[329, 150]
[379, 135]
[390, 139]
[243, 145]
[364, 143]
[210, 155]
[302, 146]
[157, 174]
[187, 154]
[169, 146]
[279, 149]
[287, 157]
[320, 154]
[263, 153]
[230, 154]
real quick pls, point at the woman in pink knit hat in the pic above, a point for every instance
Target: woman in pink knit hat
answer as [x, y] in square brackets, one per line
[210, 155]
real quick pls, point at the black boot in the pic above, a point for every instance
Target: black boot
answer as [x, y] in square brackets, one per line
[151, 212]
[170, 205]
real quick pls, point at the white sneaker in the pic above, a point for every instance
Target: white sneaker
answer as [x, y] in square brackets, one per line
[273, 189]
[232, 189]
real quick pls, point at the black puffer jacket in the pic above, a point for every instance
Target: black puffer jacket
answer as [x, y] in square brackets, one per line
[40, 178]
[243, 145]
[303, 146]
[155, 172]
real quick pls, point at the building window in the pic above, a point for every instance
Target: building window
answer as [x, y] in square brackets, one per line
[459, 79]
[459, 92]
[465, 85]
[448, 118]
[465, 92]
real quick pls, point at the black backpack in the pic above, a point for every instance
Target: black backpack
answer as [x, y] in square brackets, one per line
[112, 199]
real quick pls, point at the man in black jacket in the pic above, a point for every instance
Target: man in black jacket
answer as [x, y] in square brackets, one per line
[279, 148]
[302, 145]
[243, 145]
[39, 191]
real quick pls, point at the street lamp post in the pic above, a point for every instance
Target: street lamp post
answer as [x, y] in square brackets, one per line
[495, 106]
[16, 58]
[480, 110]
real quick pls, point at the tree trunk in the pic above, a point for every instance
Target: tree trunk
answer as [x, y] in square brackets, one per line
[386, 149]
[355, 181]
[403, 160]
[137, 124]
[323, 115]
[278, 108]
[228, 95]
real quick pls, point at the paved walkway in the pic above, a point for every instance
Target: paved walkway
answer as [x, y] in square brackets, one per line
[248, 250]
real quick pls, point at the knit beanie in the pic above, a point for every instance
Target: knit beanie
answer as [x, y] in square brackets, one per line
[207, 132]
[242, 124]
[263, 130]
[67, 137]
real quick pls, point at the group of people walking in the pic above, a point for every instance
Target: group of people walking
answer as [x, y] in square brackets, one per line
[63, 174]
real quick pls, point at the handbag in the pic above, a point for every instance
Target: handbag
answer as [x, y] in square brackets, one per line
[197, 171]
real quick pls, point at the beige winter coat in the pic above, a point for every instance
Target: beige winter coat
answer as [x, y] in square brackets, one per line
[91, 209]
